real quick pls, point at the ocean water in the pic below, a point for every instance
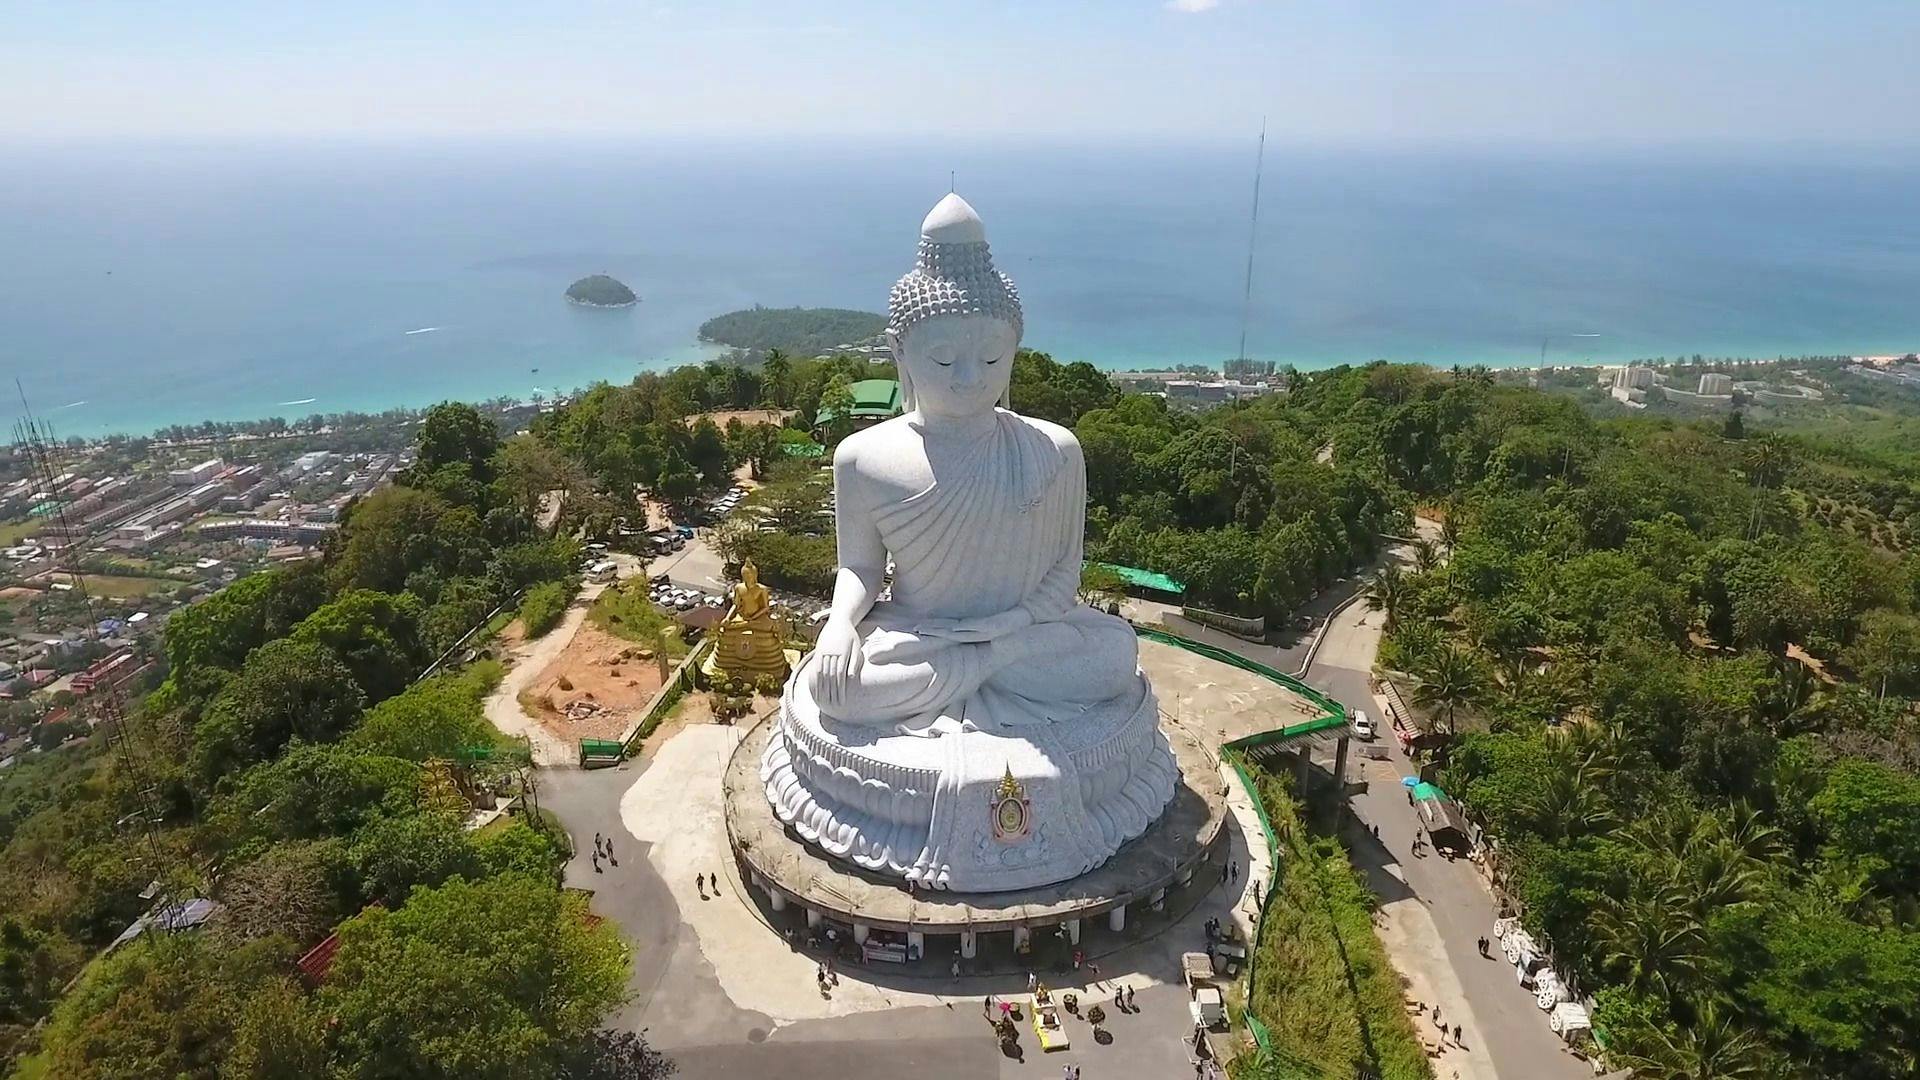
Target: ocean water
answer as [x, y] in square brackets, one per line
[147, 285]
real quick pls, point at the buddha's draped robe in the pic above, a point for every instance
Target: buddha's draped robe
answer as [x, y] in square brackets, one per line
[999, 528]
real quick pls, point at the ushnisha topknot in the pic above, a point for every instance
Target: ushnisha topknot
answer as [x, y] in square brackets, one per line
[953, 273]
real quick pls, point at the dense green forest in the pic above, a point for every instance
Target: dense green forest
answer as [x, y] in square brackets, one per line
[1680, 659]
[1672, 665]
[796, 330]
[293, 768]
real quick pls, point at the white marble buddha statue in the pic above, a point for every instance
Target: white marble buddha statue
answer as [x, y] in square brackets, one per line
[984, 647]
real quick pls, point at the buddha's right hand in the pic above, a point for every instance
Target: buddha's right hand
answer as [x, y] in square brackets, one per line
[838, 656]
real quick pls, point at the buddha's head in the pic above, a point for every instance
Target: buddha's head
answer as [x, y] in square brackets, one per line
[953, 322]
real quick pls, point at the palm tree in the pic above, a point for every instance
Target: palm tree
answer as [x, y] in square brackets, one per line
[1451, 680]
[1450, 527]
[1388, 592]
[1712, 1048]
[1792, 702]
[1768, 461]
[1653, 940]
[1425, 556]
[1716, 875]
[1594, 750]
[1565, 806]
[1748, 830]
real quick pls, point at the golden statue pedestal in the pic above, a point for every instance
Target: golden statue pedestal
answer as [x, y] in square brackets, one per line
[750, 645]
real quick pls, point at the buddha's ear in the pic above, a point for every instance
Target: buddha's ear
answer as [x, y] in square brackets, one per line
[894, 341]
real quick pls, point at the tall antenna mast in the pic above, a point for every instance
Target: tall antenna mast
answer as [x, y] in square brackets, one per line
[35, 438]
[1253, 234]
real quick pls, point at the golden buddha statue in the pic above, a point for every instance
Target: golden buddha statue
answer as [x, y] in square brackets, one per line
[749, 643]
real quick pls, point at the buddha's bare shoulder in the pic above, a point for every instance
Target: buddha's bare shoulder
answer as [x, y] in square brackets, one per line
[1061, 437]
[870, 441]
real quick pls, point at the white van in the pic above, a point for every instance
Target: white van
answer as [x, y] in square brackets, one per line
[1363, 725]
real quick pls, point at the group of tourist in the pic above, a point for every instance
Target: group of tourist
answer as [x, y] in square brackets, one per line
[603, 848]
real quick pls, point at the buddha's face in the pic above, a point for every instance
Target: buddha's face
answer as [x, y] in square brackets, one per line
[959, 364]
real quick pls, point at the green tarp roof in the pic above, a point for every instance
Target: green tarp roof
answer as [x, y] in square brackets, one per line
[871, 398]
[1142, 579]
[1424, 791]
[881, 395]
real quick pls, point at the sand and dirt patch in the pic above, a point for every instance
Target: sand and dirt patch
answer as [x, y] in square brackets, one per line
[594, 688]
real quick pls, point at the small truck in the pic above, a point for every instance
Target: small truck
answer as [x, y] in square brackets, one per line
[1209, 1010]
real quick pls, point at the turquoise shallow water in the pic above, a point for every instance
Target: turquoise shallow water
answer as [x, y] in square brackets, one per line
[141, 286]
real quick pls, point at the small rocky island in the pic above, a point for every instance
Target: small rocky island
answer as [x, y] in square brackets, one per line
[599, 290]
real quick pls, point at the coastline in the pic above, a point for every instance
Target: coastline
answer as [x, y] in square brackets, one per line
[585, 372]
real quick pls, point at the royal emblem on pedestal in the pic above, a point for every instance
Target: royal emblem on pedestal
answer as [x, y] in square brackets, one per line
[1012, 812]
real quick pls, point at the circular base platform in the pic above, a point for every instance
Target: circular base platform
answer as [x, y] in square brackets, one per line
[773, 857]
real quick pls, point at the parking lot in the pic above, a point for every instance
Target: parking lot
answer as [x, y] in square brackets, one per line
[686, 572]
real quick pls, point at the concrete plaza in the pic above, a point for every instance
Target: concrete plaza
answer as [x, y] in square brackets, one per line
[727, 995]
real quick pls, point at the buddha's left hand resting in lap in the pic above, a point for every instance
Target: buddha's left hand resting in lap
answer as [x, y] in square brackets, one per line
[980, 511]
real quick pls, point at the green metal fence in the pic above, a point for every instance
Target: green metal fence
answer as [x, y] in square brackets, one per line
[1277, 1063]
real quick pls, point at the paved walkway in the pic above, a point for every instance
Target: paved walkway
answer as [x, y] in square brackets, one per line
[725, 997]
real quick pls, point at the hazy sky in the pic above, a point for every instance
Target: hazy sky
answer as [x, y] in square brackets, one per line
[1605, 70]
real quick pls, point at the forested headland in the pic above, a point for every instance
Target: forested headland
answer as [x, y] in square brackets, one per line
[796, 331]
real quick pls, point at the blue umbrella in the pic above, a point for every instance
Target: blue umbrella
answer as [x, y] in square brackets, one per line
[1409, 781]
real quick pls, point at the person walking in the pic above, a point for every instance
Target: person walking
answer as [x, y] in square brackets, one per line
[1456, 1036]
[1032, 981]
[955, 972]
[1130, 1003]
[986, 1007]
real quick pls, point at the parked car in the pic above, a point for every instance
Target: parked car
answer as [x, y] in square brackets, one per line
[1363, 726]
